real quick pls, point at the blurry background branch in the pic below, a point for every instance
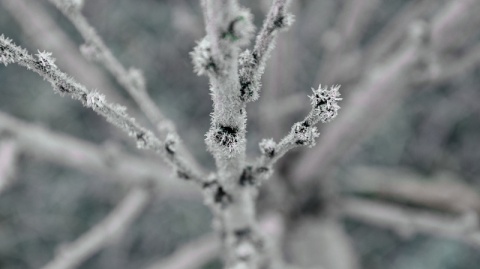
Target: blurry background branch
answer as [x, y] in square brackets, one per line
[102, 234]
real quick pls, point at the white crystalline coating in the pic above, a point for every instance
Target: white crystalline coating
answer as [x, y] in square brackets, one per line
[202, 57]
[95, 100]
[6, 56]
[267, 146]
[325, 102]
[45, 59]
[243, 27]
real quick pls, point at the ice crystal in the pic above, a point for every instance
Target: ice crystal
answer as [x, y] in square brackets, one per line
[325, 102]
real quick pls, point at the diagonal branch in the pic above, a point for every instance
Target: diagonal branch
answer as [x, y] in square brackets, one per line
[105, 162]
[102, 234]
[44, 65]
[131, 79]
[410, 221]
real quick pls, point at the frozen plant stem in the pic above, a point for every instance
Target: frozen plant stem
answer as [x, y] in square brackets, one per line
[43, 64]
[235, 81]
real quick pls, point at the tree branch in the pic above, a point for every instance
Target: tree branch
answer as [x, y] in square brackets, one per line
[409, 221]
[99, 236]
[44, 65]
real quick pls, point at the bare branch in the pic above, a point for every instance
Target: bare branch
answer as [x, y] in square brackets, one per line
[44, 65]
[325, 107]
[104, 161]
[131, 79]
[102, 234]
[443, 191]
[8, 159]
[45, 33]
[409, 221]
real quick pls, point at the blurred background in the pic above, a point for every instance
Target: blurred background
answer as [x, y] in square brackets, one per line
[397, 171]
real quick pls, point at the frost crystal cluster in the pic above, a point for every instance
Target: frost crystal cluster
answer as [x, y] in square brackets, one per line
[325, 102]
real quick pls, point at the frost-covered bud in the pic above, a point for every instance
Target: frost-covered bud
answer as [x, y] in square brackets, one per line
[304, 135]
[325, 102]
[202, 59]
[6, 54]
[267, 147]
[284, 21]
[241, 28]
[143, 138]
[171, 142]
[95, 100]
[46, 60]
[223, 139]
[136, 78]
[249, 84]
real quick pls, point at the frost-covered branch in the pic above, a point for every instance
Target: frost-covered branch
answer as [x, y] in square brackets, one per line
[43, 64]
[8, 159]
[252, 63]
[408, 222]
[102, 234]
[44, 32]
[130, 78]
[325, 107]
[101, 160]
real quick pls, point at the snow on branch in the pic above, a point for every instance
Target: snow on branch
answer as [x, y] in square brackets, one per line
[131, 79]
[325, 107]
[43, 64]
[252, 63]
[102, 234]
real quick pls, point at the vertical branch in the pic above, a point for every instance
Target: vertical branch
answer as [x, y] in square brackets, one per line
[234, 81]
[99, 236]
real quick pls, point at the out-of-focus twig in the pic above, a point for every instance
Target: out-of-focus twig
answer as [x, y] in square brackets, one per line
[88, 157]
[8, 162]
[442, 192]
[379, 92]
[105, 232]
[410, 221]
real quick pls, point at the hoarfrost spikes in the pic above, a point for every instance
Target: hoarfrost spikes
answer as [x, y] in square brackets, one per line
[95, 100]
[325, 102]
[202, 58]
[6, 55]
[45, 59]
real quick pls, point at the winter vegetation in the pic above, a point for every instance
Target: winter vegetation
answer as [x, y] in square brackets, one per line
[372, 185]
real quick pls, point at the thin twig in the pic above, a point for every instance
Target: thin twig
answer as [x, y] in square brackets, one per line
[102, 234]
[409, 221]
[44, 65]
[102, 160]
